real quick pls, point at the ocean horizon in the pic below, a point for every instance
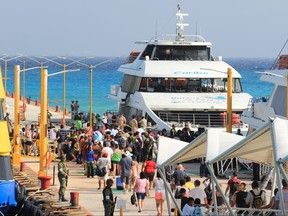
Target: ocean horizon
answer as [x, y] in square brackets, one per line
[106, 74]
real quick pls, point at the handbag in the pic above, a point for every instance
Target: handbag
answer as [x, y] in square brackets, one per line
[133, 199]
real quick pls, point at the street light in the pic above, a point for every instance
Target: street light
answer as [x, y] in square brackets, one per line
[64, 83]
[16, 153]
[91, 77]
[91, 71]
[43, 119]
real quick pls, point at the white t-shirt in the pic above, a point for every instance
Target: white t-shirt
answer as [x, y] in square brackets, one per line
[250, 198]
[199, 193]
[159, 185]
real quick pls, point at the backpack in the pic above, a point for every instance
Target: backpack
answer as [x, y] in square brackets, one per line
[197, 211]
[240, 199]
[233, 187]
[101, 172]
[257, 199]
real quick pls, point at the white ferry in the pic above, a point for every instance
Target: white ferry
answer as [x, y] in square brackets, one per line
[176, 80]
[260, 110]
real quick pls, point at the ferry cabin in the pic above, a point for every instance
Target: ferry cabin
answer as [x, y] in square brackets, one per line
[166, 73]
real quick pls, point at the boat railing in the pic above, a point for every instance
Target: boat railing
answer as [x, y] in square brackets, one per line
[203, 119]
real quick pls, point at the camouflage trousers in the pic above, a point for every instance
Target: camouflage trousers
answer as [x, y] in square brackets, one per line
[63, 185]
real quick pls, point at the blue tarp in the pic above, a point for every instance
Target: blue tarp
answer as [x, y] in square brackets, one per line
[7, 193]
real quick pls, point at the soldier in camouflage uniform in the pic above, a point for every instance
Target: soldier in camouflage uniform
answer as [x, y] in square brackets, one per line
[108, 200]
[62, 177]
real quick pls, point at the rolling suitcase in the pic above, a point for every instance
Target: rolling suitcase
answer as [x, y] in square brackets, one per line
[119, 184]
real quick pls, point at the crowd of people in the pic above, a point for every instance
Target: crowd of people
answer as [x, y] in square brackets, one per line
[112, 148]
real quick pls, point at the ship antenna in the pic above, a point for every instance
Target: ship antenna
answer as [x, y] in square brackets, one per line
[156, 31]
[179, 24]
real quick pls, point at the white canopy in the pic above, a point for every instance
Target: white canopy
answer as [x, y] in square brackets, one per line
[217, 145]
[217, 140]
[167, 147]
[195, 149]
[258, 147]
[280, 137]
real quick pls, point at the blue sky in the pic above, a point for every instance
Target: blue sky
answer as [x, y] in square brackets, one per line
[246, 28]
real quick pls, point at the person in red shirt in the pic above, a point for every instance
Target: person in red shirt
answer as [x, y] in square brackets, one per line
[149, 168]
[232, 186]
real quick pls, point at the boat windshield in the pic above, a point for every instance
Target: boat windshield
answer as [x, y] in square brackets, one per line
[188, 85]
[179, 52]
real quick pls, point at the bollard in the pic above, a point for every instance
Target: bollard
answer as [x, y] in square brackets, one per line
[45, 182]
[22, 167]
[36, 103]
[57, 109]
[121, 211]
[12, 95]
[74, 198]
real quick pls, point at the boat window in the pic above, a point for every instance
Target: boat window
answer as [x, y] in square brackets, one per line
[130, 84]
[277, 102]
[237, 88]
[179, 52]
[147, 52]
[188, 85]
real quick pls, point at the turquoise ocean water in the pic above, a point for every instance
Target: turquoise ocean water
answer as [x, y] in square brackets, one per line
[105, 75]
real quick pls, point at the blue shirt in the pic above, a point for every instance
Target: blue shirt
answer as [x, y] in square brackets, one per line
[90, 156]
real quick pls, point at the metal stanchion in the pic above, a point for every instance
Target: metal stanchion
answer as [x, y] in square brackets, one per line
[53, 175]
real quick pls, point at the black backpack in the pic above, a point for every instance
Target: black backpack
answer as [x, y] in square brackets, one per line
[241, 199]
[257, 199]
[233, 187]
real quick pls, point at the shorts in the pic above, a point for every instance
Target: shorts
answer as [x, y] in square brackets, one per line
[159, 196]
[125, 179]
[115, 162]
[28, 142]
[104, 178]
[59, 146]
[141, 196]
[150, 176]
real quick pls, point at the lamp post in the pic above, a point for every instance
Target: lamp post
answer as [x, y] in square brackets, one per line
[91, 78]
[91, 73]
[16, 152]
[43, 120]
[229, 101]
[64, 83]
